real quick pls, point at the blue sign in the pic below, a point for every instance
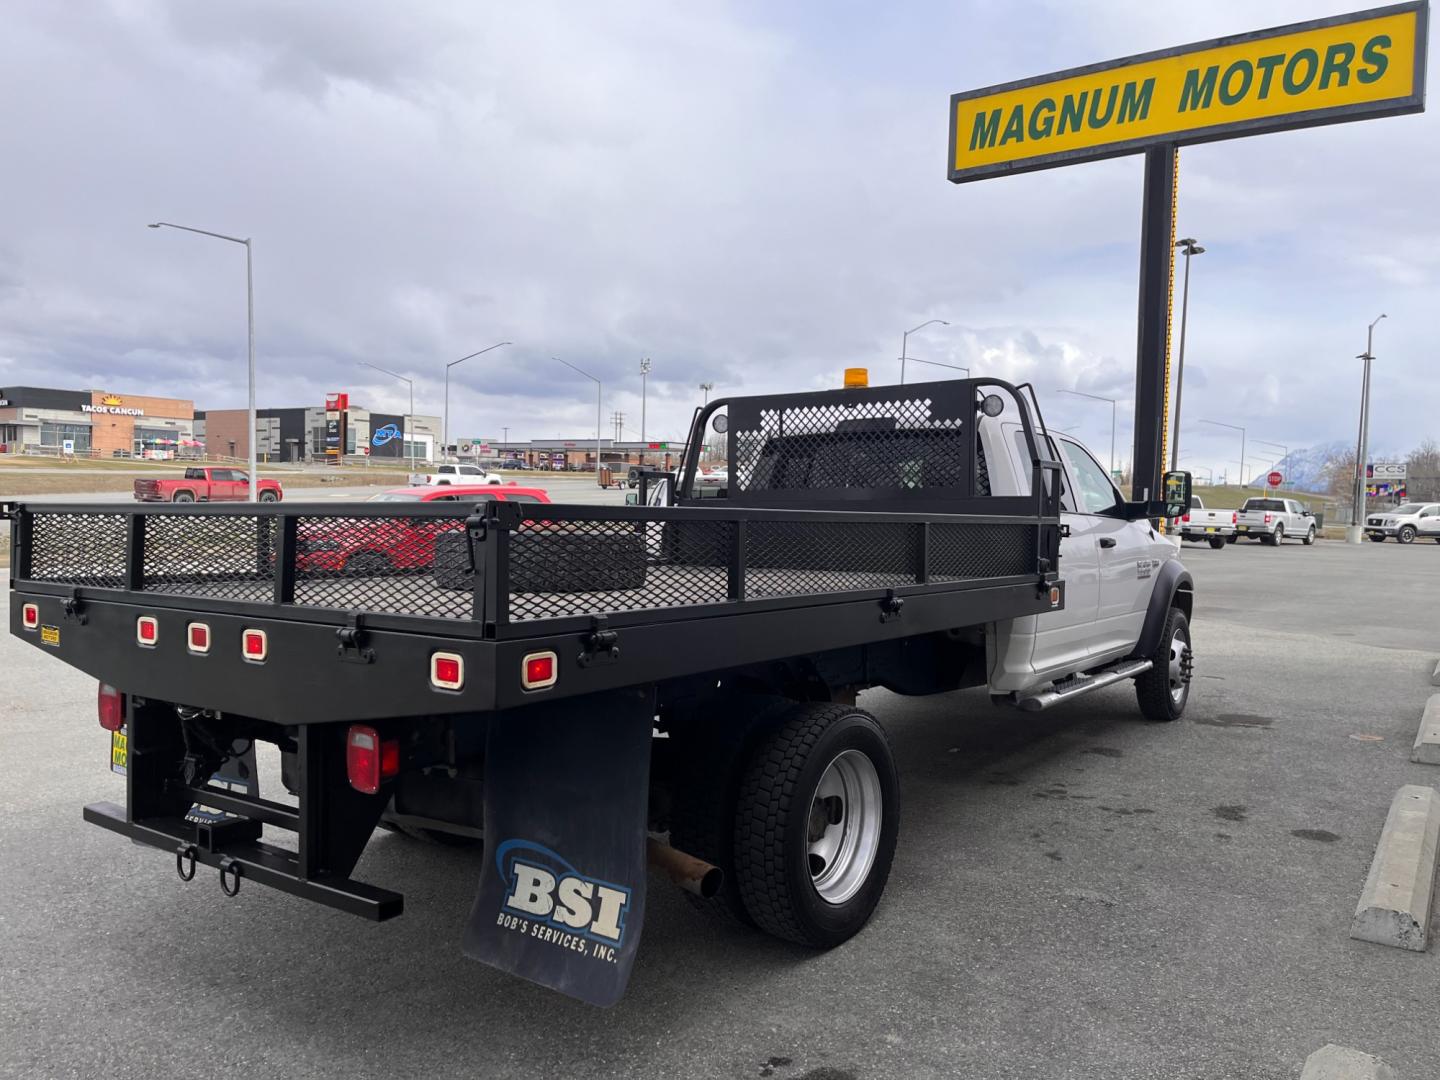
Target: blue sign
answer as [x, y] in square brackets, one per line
[388, 433]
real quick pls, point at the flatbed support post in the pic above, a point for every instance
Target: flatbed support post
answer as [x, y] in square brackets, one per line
[1157, 231]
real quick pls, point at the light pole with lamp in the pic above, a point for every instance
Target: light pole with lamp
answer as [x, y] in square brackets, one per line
[706, 387]
[1284, 453]
[407, 428]
[904, 339]
[250, 311]
[445, 427]
[1113, 403]
[598, 393]
[1189, 247]
[644, 372]
[1357, 513]
[1241, 430]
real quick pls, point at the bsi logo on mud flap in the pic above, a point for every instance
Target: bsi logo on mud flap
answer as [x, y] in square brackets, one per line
[545, 889]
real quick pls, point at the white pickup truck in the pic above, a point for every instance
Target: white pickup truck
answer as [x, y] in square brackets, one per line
[1272, 520]
[1216, 526]
[455, 474]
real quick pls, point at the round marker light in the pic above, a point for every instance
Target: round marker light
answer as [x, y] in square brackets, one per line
[993, 405]
[721, 423]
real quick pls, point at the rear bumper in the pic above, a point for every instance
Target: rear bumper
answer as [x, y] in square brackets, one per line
[1199, 532]
[249, 859]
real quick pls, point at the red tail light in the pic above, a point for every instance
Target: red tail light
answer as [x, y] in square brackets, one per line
[447, 670]
[539, 671]
[1185, 518]
[1234, 518]
[1267, 519]
[370, 759]
[110, 704]
[30, 616]
[255, 645]
[147, 630]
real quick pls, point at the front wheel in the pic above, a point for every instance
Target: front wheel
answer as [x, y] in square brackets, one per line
[1310, 536]
[269, 496]
[1406, 535]
[1217, 542]
[817, 819]
[1377, 538]
[1163, 690]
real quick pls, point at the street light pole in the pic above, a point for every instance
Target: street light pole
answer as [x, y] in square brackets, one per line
[1189, 247]
[1112, 401]
[598, 391]
[1284, 453]
[409, 425]
[904, 339]
[1357, 512]
[644, 371]
[1241, 430]
[706, 387]
[445, 426]
[250, 316]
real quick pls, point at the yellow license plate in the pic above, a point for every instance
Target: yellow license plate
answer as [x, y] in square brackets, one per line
[1242, 528]
[1209, 530]
[119, 751]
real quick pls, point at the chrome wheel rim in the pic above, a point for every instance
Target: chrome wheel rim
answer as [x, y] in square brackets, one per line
[843, 829]
[1180, 661]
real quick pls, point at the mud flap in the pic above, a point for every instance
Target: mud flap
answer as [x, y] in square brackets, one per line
[562, 889]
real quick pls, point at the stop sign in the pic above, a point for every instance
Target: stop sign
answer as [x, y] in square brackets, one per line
[1274, 479]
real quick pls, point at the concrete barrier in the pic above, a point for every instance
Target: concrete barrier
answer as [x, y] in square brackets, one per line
[1435, 678]
[1427, 739]
[1333, 1062]
[1394, 906]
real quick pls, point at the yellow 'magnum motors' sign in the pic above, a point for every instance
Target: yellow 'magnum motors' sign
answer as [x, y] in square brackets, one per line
[1351, 67]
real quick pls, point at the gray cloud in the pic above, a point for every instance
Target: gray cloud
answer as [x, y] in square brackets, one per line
[747, 195]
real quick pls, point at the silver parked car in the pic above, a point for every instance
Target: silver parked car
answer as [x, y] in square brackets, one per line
[1405, 522]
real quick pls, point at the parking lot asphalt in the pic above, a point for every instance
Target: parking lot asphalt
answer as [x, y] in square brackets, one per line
[1077, 893]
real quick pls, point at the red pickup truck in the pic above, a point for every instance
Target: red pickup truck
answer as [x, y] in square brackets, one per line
[206, 485]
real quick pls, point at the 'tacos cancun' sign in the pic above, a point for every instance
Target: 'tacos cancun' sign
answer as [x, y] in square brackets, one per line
[1349, 67]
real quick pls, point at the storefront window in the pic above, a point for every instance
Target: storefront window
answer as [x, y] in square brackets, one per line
[56, 434]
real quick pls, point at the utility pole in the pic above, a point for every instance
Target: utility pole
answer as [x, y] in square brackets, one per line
[1353, 535]
[905, 338]
[644, 371]
[1189, 247]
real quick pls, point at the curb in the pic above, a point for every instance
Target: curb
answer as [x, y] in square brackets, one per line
[1333, 1062]
[1427, 739]
[1394, 906]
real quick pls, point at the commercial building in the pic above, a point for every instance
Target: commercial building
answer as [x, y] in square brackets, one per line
[96, 423]
[300, 433]
[573, 454]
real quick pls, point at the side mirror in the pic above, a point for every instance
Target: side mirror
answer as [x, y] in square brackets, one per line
[1177, 494]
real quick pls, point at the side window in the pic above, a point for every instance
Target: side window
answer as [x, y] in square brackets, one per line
[1430, 511]
[521, 499]
[1067, 500]
[1096, 494]
[443, 498]
[238, 477]
[194, 474]
[220, 476]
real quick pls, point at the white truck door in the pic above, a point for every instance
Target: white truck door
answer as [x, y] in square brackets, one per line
[1122, 550]
[1062, 638]
[1428, 522]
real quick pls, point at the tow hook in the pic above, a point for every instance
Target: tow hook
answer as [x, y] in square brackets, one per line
[230, 866]
[182, 853]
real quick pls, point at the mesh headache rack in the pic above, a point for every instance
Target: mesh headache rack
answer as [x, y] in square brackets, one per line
[890, 483]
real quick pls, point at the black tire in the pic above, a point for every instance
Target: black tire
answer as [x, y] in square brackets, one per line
[269, 496]
[775, 814]
[1274, 538]
[1377, 538]
[1153, 689]
[1406, 535]
[711, 753]
[1309, 536]
[1217, 542]
[183, 497]
[1232, 538]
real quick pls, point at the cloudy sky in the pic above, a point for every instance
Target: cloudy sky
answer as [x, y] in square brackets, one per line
[751, 194]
